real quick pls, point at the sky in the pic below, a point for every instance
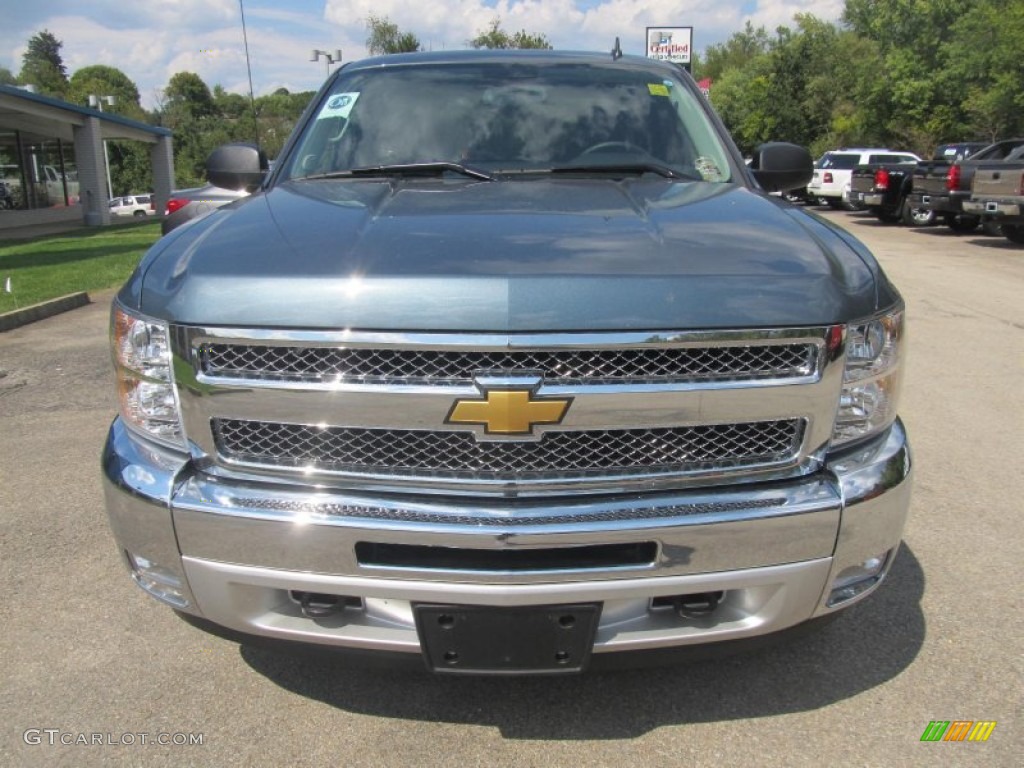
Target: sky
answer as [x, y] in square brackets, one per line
[150, 40]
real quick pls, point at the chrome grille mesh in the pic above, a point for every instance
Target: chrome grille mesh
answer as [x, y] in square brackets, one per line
[565, 366]
[459, 454]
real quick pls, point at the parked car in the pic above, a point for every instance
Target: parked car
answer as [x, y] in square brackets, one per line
[537, 379]
[997, 194]
[184, 205]
[832, 179]
[943, 184]
[132, 205]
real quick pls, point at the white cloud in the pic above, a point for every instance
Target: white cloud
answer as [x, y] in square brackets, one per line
[573, 25]
[149, 42]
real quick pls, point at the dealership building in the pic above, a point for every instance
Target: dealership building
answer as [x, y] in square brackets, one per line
[53, 160]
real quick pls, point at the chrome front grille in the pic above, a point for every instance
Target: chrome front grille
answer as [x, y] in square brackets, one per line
[370, 410]
[557, 454]
[453, 367]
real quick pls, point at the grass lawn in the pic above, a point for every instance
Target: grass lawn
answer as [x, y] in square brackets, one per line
[46, 267]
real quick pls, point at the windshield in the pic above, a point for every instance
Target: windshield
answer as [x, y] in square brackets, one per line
[840, 162]
[510, 118]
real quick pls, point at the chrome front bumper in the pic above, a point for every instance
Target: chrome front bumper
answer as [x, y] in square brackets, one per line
[235, 553]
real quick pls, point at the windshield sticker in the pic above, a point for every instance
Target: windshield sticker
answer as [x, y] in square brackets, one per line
[707, 169]
[338, 105]
[657, 89]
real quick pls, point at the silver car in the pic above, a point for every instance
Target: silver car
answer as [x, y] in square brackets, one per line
[186, 204]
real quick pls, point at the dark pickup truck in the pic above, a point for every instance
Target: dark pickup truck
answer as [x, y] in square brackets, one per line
[942, 186]
[997, 195]
[883, 188]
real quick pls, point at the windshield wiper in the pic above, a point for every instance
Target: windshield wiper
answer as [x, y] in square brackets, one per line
[404, 169]
[624, 168]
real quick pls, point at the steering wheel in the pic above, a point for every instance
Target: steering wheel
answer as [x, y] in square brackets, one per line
[606, 145]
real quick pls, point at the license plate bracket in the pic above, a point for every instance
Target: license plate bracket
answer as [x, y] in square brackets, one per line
[546, 639]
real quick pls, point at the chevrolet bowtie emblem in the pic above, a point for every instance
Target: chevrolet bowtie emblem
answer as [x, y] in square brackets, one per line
[509, 411]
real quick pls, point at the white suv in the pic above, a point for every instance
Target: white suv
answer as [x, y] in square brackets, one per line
[831, 180]
[132, 205]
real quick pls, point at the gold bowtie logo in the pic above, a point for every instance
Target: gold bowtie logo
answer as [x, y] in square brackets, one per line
[509, 411]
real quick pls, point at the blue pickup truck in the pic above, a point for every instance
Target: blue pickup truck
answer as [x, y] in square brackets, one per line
[509, 366]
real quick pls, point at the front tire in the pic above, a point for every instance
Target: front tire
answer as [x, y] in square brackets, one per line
[1014, 233]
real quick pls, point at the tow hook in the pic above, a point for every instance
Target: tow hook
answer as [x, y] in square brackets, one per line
[315, 605]
[696, 605]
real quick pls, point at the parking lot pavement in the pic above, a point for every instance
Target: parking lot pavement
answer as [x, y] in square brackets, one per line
[88, 657]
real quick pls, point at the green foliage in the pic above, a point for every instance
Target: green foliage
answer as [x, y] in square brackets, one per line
[383, 36]
[496, 37]
[737, 52]
[904, 73]
[7, 77]
[100, 80]
[188, 97]
[278, 112]
[982, 62]
[43, 67]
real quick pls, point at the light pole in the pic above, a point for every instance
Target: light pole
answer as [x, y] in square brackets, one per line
[96, 102]
[329, 58]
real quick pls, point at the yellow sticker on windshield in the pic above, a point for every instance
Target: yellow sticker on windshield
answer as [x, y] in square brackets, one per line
[657, 89]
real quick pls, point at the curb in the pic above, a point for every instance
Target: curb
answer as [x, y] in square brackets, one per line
[42, 310]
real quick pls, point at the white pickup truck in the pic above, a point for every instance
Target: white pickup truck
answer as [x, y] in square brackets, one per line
[58, 185]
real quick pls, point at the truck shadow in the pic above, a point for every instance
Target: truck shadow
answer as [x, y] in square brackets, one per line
[872, 643]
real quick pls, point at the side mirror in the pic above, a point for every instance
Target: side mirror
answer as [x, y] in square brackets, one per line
[236, 166]
[779, 166]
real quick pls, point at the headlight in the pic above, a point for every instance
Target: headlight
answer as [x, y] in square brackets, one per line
[145, 386]
[871, 379]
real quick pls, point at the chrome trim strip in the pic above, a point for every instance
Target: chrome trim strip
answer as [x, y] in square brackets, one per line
[502, 342]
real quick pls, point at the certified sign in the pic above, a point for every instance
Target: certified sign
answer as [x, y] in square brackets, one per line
[673, 44]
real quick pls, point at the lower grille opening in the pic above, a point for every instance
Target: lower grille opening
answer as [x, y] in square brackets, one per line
[597, 556]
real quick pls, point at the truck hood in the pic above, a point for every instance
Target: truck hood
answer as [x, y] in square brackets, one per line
[507, 256]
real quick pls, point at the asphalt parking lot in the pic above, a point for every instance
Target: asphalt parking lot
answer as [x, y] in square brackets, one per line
[87, 654]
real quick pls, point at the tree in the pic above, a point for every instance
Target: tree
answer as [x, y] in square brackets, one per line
[130, 170]
[43, 67]
[279, 112]
[7, 77]
[187, 94]
[981, 62]
[735, 53]
[911, 36]
[101, 80]
[383, 36]
[496, 37]
[189, 110]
